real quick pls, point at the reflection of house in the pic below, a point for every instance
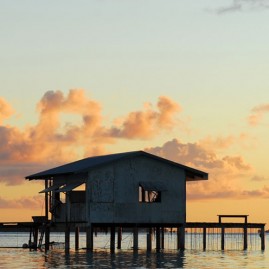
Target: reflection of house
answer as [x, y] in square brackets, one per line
[134, 189]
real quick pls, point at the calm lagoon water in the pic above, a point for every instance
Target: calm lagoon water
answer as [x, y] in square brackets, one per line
[253, 258]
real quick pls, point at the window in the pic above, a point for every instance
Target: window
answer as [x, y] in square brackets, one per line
[148, 193]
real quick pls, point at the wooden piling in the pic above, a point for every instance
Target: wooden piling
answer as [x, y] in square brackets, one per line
[47, 237]
[119, 238]
[162, 237]
[149, 239]
[112, 238]
[181, 237]
[35, 236]
[222, 238]
[245, 231]
[262, 238]
[77, 238]
[89, 237]
[67, 237]
[204, 238]
[135, 237]
[158, 241]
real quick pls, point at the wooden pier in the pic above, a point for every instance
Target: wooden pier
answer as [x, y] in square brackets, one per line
[39, 229]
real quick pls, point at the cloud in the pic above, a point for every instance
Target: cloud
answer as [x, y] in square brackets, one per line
[147, 123]
[257, 114]
[5, 110]
[195, 154]
[241, 5]
[70, 127]
[258, 178]
[34, 202]
[227, 174]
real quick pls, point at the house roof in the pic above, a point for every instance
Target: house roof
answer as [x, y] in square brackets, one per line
[87, 164]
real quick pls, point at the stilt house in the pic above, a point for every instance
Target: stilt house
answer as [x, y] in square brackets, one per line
[134, 189]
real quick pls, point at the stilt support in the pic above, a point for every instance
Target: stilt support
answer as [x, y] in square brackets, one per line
[77, 238]
[112, 239]
[135, 236]
[181, 237]
[222, 238]
[67, 238]
[204, 238]
[119, 237]
[158, 239]
[262, 239]
[149, 239]
[245, 238]
[47, 237]
[162, 237]
[89, 234]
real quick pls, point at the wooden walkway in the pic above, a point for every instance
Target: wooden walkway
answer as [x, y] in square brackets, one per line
[205, 228]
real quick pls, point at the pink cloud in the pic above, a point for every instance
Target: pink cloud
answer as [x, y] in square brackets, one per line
[257, 113]
[24, 202]
[56, 139]
[226, 173]
[147, 123]
[5, 110]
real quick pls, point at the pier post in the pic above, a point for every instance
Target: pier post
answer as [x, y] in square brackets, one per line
[119, 237]
[77, 238]
[262, 239]
[222, 238]
[47, 237]
[89, 237]
[245, 247]
[204, 238]
[135, 237]
[112, 238]
[162, 238]
[149, 239]
[158, 241]
[181, 237]
[35, 236]
[67, 237]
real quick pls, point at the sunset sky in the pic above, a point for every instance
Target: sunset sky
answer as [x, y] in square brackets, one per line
[186, 80]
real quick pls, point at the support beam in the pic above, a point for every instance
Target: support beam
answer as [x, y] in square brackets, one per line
[119, 237]
[89, 237]
[245, 229]
[35, 235]
[181, 237]
[149, 239]
[47, 237]
[77, 238]
[222, 238]
[262, 238]
[67, 237]
[158, 239]
[135, 237]
[204, 238]
[112, 238]
[162, 237]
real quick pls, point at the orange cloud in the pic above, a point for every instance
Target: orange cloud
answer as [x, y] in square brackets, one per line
[226, 173]
[147, 123]
[24, 202]
[5, 110]
[257, 114]
[59, 137]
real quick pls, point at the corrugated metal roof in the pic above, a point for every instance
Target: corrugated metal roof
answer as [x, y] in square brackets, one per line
[87, 164]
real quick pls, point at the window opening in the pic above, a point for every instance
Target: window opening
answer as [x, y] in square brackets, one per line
[149, 196]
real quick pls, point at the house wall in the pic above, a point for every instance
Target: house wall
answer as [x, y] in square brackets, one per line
[113, 192]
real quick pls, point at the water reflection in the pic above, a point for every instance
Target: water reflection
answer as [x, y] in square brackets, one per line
[120, 259]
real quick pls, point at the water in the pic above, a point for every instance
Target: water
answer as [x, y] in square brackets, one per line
[193, 257]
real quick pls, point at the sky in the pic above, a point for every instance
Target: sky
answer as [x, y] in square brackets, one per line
[186, 80]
